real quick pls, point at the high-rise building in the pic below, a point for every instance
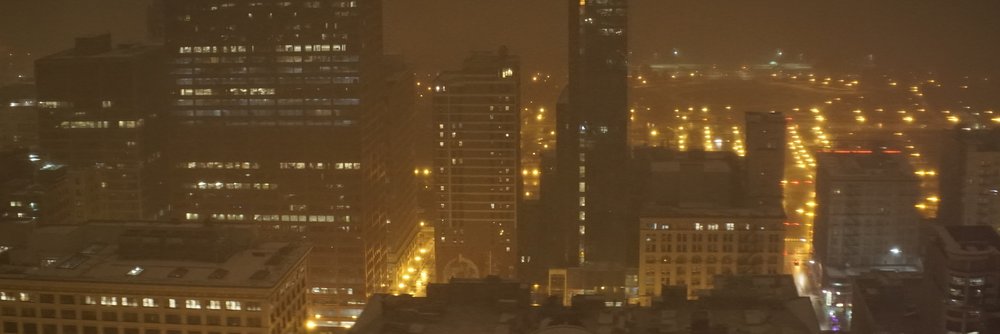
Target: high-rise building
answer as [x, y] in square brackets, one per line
[865, 214]
[271, 101]
[592, 136]
[765, 158]
[477, 166]
[144, 277]
[99, 115]
[970, 178]
[963, 266]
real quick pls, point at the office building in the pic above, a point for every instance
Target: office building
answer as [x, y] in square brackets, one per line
[142, 277]
[970, 178]
[18, 117]
[99, 114]
[691, 246]
[963, 267]
[270, 104]
[592, 136]
[865, 215]
[477, 166]
[34, 192]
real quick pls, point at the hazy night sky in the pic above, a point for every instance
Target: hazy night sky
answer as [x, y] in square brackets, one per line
[436, 34]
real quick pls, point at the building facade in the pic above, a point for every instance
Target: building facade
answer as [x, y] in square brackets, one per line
[271, 111]
[592, 136]
[99, 116]
[963, 265]
[689, 247]
[193, 279]
[866, 216]
[476, 167]
[18, 117]
[970, 181]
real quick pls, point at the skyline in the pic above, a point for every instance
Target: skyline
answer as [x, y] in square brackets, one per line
[935, 34]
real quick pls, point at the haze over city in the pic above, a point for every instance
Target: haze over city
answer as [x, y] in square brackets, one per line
[516, 166]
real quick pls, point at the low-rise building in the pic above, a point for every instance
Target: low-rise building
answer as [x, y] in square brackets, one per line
[690, 246]
[152, 278]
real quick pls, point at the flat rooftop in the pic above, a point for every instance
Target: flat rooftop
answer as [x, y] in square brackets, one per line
[95, 253]
[865, 166]
[977, 237]
[709, 211]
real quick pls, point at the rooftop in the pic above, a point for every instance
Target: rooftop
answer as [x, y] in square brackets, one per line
[865, 166]
[106, 252]
[709, 211]
[979, 238]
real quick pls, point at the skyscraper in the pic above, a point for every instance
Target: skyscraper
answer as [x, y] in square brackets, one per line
[765, 159]
[269, 99]
[591, 138]
[99, 115]
[477, 166]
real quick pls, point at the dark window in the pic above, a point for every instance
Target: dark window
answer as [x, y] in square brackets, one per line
[172, 319]
[130, 331]
[67, 314]
[69, 329]
[50, 329]
[30, 328]
[130, 317]
[194, 320]
[88, 315]
[109, 316]
[67, 299]
[46, 298]
[213, 320]
[151, 318]
[152, 331]
[28, 312]
[253, 322]
[110, 330]
[174, 331]
[48, 313]
[89, 330]
[8, 311]
[233, 321]
[10, 327]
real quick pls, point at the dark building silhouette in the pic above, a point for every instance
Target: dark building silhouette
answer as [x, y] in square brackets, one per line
[18, 117]
[765, 158]
[271, 113]
[592, 136]
[99, 114]
[476, 167]
[963, 267]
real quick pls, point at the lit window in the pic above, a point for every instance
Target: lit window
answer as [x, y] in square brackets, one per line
[149, 302]
[698, 227]
[730, 226]
[233, 305]
[583, 186]
[193, 304]
[171, 303]
[214, 305]
[109, 301]
[135, 271]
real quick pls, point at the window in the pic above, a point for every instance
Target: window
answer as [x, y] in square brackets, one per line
[109, 316]
[88, 315]
[172, 303]
[149, 302]
[172, 319]
[67, 299]
[151, 318]
[233, 305]
[109, 301]
[194, 320]
[46, 298]
[67, 314]
[193, 304]
[214, 305]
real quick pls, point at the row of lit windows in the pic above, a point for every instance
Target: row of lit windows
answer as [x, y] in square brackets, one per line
[231, 186]
[337, 123]
[213, 49]
[218, 165]
[100, 124]
[320, 165]
[310, 48]
[272, 218]
[260, 102]
[230, 305]
[702, 227]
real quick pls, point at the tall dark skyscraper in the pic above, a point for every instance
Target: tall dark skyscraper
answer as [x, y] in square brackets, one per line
[269, 102]
[765, 159]
[476, 167]
[592, 135]
[99, 114]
